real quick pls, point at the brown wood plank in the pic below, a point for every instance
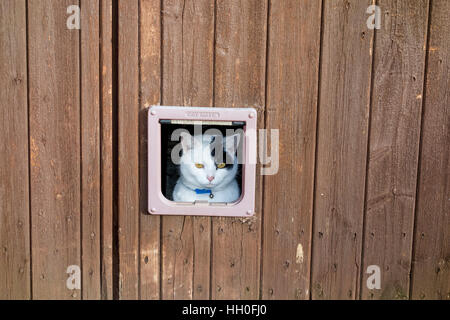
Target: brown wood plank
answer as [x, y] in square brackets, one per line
[431, 258]
[341, 150]
[90, 148]
[128, 149]
[54, 94]
[188, 54]
[150, 85]
[399, 63]
[14, 192]
[293, 70]
[106, 135]
[240, 62]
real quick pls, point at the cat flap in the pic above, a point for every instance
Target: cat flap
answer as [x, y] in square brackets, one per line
[201, 161]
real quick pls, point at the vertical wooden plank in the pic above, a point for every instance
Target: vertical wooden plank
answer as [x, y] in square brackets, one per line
[188, 53]
[90, 148]
[292, 87]
[106, 134]
[394, 145]
[54, 94]
[239, 82]
[150, 85]
[128, 149]
[14, 193]
[431, 257]
[341, 149]
[198, 88]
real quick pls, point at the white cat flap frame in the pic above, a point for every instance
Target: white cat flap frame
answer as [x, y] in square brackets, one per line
[158, 204]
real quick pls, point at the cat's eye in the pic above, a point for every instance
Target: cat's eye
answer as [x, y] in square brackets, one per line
[199, 165]
[221, 165]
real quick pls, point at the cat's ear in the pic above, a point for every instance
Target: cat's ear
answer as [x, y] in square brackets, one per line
[187, 141]
[232, 143]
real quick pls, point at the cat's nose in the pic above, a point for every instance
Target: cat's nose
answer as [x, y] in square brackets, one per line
[210, 179]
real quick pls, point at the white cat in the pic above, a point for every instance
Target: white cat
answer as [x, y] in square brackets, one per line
[208, 169]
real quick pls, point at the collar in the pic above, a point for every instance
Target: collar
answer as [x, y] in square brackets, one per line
[203, 191]
[198, 191]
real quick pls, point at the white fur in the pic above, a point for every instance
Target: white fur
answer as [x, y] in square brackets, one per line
[224, 187]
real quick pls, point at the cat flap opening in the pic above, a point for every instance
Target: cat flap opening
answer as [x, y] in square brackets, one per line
[201, 161]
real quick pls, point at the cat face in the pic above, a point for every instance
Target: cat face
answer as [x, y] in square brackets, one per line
[208, 161]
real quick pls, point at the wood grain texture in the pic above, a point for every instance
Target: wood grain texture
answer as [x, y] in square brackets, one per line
[352, 190]
[431, 257]
[90, 149]
[54, 95]
[150, 84]
[188, 54]
[240, 60]
[292, 87]
[341, 150]
[14, 188]
[128, 148]
[106, 134]
[399, 64]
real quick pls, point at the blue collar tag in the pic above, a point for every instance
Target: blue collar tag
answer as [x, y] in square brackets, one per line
[203, 191]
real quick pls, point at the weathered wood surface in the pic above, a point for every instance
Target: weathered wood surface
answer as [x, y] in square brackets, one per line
[292, 89]
[90, 148]
[55, 151]
[399, 63]
[128, 149]
[363, 124]
[150, 85]
[341, 150]
[106, 128]
[431, 257]
[14, 183]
